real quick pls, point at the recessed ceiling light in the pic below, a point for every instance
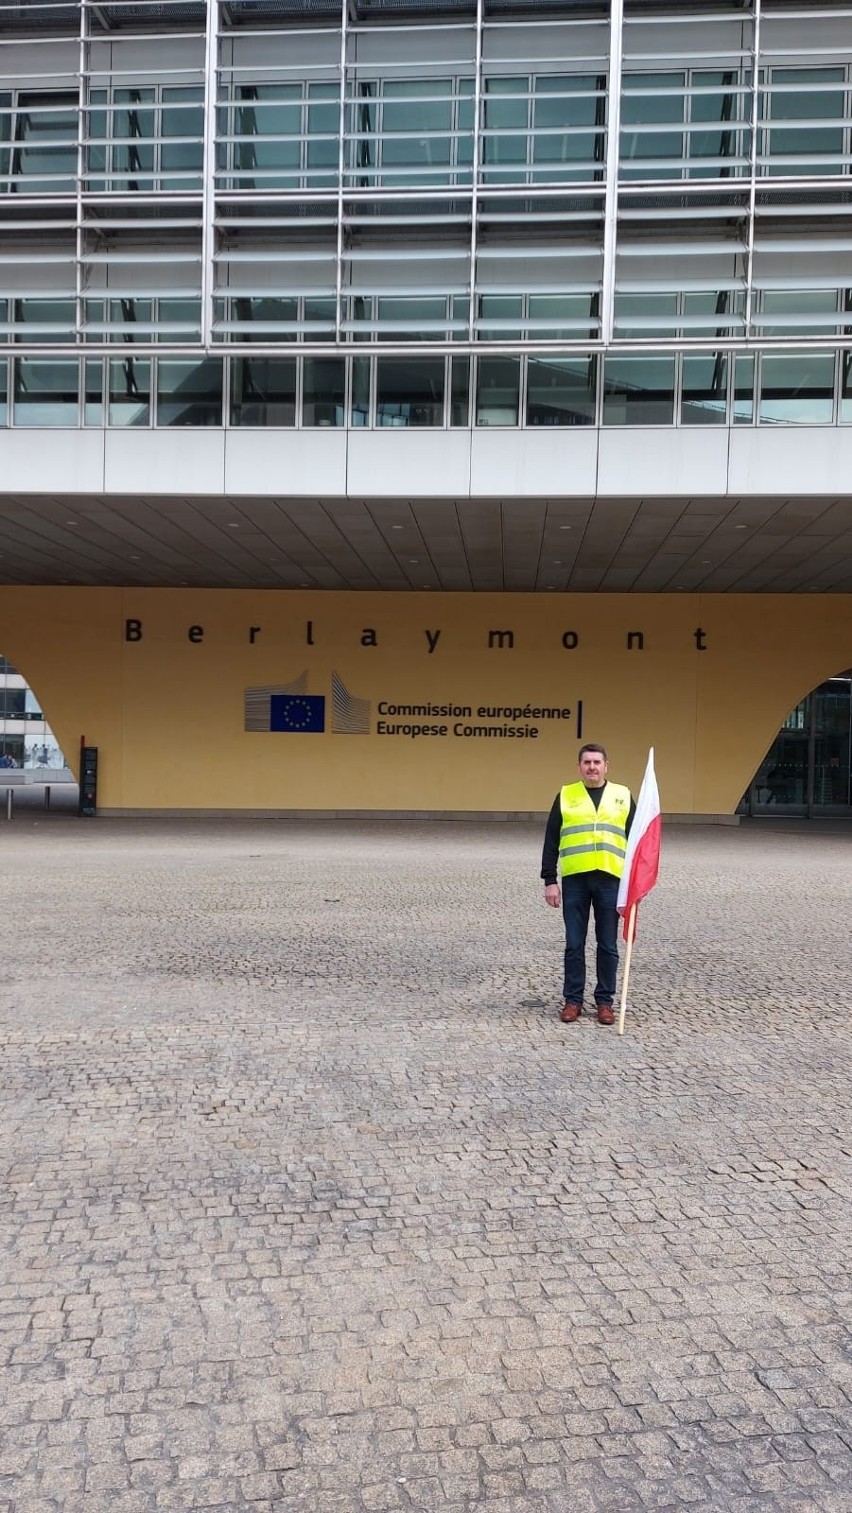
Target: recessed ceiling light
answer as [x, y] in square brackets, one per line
[557, 562]
[740, 527]
[415, 561]
[71, 522]
[396, 527]
[566, 527]
[233, 525]
[706, 562]
[304, 585]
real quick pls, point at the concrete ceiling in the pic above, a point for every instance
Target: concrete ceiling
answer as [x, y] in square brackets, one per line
[753, 545]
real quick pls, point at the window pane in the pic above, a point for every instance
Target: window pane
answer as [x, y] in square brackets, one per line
[93, 399]
[45, 320]
[562, 317]
[646, 314]
[497, 391]
[705, 390]
[505, 137]
[743, 391]
[562, 106]
[46, 393]
[44, 159]
[810, 312]
[410, 393]
[182, 127]
[797, 388]
[258, 319]
[561, 392]
[4, 397]
[412, 319]
[360, 391]
[323, 135]
[417, 117]
[846, 388]
[720, 139]
[130, 391]
[500, 316]
[132, 122]
[655, 102]
[268, 123]
[638, 391]
[459, 391]
[807, 144]
[324, 391]
[189, 393]
[263, 391]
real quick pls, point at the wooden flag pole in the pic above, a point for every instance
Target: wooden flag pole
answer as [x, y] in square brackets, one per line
[631, 933]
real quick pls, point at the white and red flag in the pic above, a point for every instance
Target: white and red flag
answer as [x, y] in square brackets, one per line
[642, 859]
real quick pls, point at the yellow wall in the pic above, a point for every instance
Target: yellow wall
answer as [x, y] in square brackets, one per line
[167, 714]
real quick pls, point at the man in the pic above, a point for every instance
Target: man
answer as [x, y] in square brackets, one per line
[585, 843]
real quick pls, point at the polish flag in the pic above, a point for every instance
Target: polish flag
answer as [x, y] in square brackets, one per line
[642, 860]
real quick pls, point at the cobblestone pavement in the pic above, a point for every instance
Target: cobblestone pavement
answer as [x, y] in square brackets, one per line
[310, 1203]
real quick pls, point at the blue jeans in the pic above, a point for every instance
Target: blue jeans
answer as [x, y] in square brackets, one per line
[582, 892]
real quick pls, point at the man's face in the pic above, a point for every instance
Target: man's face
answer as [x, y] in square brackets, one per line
[593, 767]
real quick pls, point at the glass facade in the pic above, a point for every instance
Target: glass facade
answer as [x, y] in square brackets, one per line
[26, 740]
[622, 214]
[808, 767]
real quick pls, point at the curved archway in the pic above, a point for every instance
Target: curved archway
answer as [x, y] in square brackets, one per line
[808, 767]
[29, 750]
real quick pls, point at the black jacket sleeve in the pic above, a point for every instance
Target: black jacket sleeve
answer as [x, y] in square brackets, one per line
[550, 852]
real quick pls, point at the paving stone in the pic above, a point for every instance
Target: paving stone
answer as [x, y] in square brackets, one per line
[312, 1205]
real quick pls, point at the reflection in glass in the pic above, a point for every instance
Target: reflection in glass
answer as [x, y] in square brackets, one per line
[323, 402]
[704, 400]
[189, 393]
[561, 391]
[809, 312]
[743, 391]
[360, 391]
[44, 157]
[263, 391]
[46, 393]
[719, 142]
[846, 387]
[500, 317]
[646, 315]
[655, 102]
[498, 381]
[182, 128]
[4, 395]
[132, 123]
[568, 127]
[505, 134]
[459, 391]
[638, 391]
[130, 391]
[805, 145]
[93, 393]
[797, 388]
[417, 121]
[410, 392]
[45, 320]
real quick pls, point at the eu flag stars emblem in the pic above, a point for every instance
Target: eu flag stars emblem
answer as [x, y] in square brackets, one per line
[297, 713]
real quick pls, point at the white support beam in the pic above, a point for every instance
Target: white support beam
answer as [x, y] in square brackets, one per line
[616, 52]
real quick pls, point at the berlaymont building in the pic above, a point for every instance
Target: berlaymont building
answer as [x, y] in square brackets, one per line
[396, 392]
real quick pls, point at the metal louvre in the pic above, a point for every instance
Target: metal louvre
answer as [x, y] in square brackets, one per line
[271, 155]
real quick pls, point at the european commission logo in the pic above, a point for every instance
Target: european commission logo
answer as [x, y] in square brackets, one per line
[288, 708]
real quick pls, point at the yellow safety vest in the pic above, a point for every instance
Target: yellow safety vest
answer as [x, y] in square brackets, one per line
[593, 840]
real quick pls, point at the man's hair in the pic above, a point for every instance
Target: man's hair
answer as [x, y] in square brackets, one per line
[592, 746]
